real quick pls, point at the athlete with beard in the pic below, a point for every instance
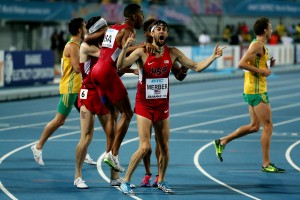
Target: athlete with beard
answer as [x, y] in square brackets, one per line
[152, 97]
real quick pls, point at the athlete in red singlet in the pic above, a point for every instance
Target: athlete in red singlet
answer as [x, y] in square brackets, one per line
[89, 101]
[104, 76]
[153, 97]
[180, 72]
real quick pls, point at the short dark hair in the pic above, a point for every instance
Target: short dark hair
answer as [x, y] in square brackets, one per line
[74, 25]
[260, 25]
[131, 9]
[159, 22]
[148, 23]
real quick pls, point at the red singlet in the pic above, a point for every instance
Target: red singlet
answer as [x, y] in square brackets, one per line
[104, 74]
[152, 97]
[88, 94]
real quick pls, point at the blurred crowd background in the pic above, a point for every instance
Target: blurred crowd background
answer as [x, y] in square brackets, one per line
[42, 24]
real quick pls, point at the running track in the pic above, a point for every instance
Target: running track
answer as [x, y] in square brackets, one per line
[200, 113]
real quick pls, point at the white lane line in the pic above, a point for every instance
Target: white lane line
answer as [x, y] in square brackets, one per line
[103, 175]
[7, 192]
[196, 158]
[288, 155]
[197, 155]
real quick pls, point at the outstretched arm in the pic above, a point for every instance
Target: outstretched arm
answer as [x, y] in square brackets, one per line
[200, 66]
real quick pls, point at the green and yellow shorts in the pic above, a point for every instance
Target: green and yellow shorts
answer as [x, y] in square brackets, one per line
[66, 103]
[255, 99]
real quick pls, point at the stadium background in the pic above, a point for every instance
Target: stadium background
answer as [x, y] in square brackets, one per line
[27, 25]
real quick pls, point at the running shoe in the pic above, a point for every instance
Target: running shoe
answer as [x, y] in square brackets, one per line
[117, 182]
[146, 180]
[89, 160]
[155, 181]
[272, 169]
[113, 161]
[219, 149]
[79, 183]
[37, 155]
[164, 187]
[126, 189]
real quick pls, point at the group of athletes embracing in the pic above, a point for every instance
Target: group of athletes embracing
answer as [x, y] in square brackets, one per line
[92, 63]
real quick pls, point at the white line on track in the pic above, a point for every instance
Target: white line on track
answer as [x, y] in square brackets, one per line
[288, 155]
[196, 162]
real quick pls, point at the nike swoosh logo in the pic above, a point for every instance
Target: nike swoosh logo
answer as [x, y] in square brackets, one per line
[150, 63]
[166, 111]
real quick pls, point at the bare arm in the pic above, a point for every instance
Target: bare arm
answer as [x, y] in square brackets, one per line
[124, 61]
[179, 72]
[200, 66]
[88, 50]
[95, 36]
[248, 60]
[74, 57]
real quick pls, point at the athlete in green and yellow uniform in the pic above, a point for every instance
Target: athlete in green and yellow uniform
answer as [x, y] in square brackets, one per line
[70, 81]
[257, 65]
[69, 84]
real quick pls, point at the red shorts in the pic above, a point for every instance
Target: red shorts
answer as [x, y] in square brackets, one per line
[91, 99]
[154, 115]
[108, 81]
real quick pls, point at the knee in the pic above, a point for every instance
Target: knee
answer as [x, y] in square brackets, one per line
[59, 122]
[145, 149]
[254, 129]
[268, 127]
[127, 114]
[164, 149]
[86, 139]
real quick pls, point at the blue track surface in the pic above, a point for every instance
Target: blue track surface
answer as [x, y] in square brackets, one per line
[200, 113]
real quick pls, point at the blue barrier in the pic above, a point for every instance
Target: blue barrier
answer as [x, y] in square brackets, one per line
[28, 67]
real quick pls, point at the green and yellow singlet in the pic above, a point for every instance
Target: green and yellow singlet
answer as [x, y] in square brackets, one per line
[255, 83]
[70, 82]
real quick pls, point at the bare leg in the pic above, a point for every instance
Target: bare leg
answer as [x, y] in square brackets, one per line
[162, 131]
[124, 107]
[87, 130]
[144, 125]
[147, 159]
[243, 130]
[50, 128]
[263, 112]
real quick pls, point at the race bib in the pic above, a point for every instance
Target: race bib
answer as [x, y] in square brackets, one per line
[157, 88]
[109, 38]
[83, 94]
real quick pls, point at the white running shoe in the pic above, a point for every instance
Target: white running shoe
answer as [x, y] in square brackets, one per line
[113, 161]
[117, 164]
[37, 155]
[117, 182]
[89, 160]
[79, 183]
